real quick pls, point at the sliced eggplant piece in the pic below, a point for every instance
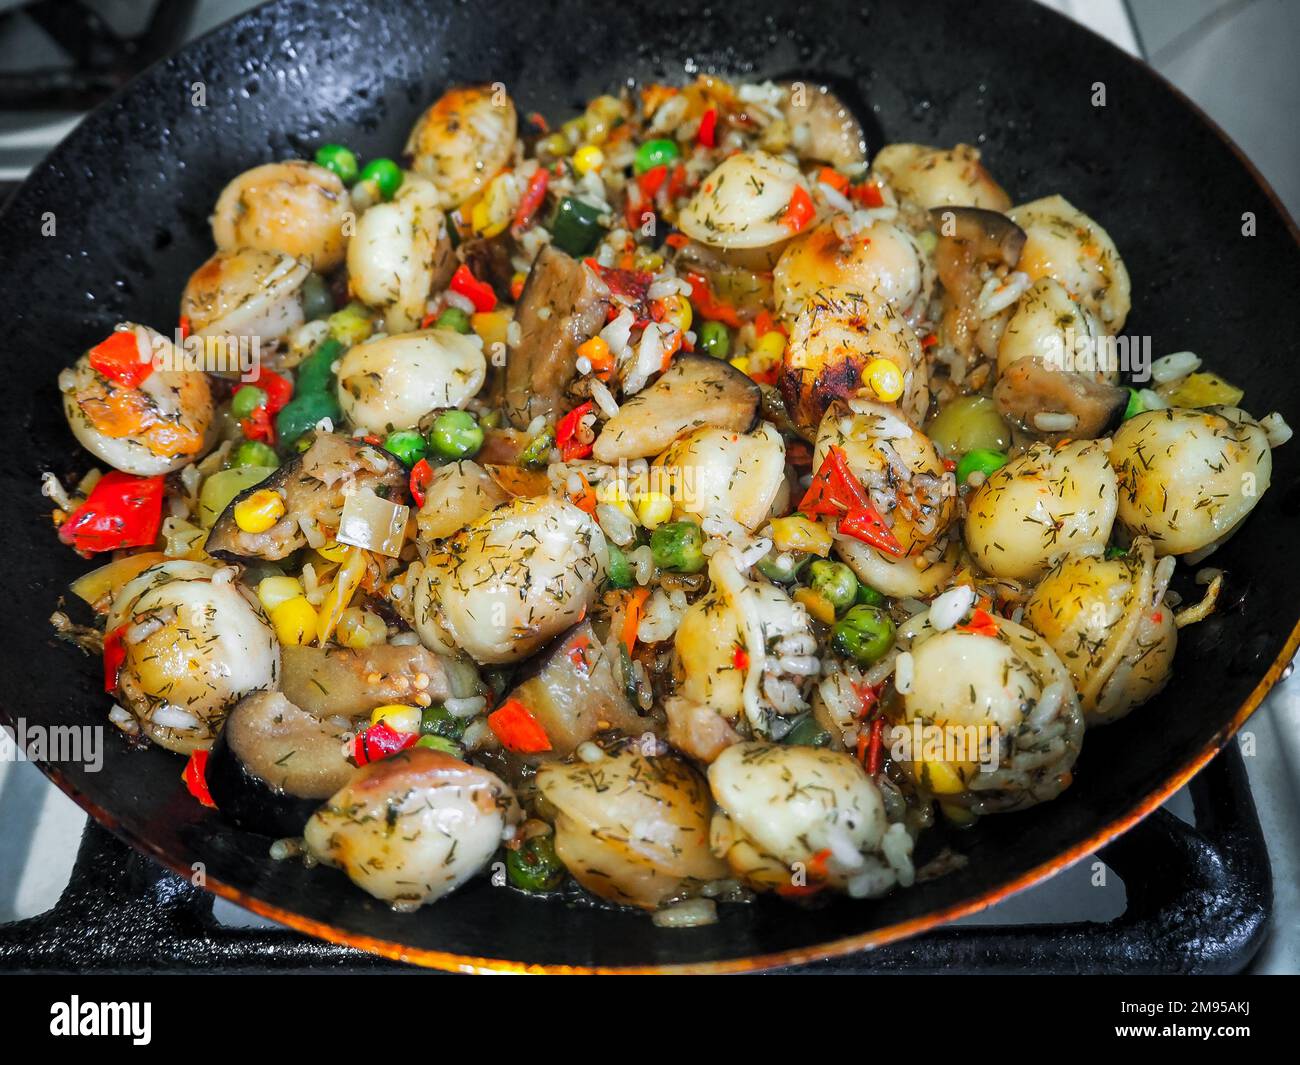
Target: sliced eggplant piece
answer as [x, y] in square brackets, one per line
[274, 763]
[969, 237]
[696, 391]
[573, 693]
[563, 304]
[313, 486]
[343, 682]
[1029, 388]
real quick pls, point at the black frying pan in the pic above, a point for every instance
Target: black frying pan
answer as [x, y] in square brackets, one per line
[130, 192]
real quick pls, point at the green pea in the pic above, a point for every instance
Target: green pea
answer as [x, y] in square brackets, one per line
[1135, 405]
[556, 145]
[439, 721]
[968, 423]
[317, 301]
[807, 732]
[678, 546]
[246, 400]
[836, 582]
[304, 412]
[783, 567]
[455, 435]
[386, 176]
[538, 452]
[453, 318]
[351, 325]
[864, 634]
[535, 866]
[316, 371]
[868, 596]
[1113, 553]
[715, 339]
[655, 153]
[408, 445]
[981, 460]
[438, 743]
[341, 160]
[253, 453]
[619, 570]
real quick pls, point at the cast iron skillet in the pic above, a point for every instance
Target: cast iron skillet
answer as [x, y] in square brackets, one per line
[129, 192]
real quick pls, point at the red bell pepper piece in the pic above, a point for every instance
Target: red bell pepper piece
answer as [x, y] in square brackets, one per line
[740, 658]
[114, 656]
[982, 623]
[677, 181]
[708, 306]
[876, 746]
[708, 134]
[653, 180]
[185, 327]
[834, 490]
[532, 199]
[866, 524]
[118, 359]
[477, 292]
[566, 433]
[122, 511]
[195, 777]
[868, 194]
[517, 729]
[258, 425]
[421, 478]
[380, 741]
[278, 389]
[799, 211]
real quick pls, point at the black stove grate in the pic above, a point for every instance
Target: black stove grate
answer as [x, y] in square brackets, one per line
[1199, 900]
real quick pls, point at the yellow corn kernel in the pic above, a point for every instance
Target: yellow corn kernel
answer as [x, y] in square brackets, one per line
[490, 326]
[333, 551]
[653, 509]
[884, 379]
[816, 604]
[259, 511]
[615, 494]
[588, 158]
[797, 533]
[294, 621]
[741, 363]
[675, 310]
[942, 778]
[272, 591]
[398, 718]
[769, 349]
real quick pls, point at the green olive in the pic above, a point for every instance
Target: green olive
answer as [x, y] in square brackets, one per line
[967, 424]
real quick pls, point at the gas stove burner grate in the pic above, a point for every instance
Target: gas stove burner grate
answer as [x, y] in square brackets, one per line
[1199, 901]
[101, 60]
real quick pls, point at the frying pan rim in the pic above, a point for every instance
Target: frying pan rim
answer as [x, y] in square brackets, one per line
[452, 962]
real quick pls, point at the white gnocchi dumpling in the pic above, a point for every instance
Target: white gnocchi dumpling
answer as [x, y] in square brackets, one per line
[392, 382]
[1040, 505]
[1188, 478]
[246, 293]
[905, 479]
[1047, 324]
[836, 336]
[463, 140]
[164, 423]
[991, 718]
[632, 828]
[414, 827]
[1066, 245]
[723, 473]
[741, 203]
[881, 258]
[293, 208]
[1106, 620]
[793, 819]
[195, 643]
[508, 582]
[939, 177]
[400, 253]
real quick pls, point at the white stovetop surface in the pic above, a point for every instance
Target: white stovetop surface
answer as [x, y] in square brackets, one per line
[40, 826]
